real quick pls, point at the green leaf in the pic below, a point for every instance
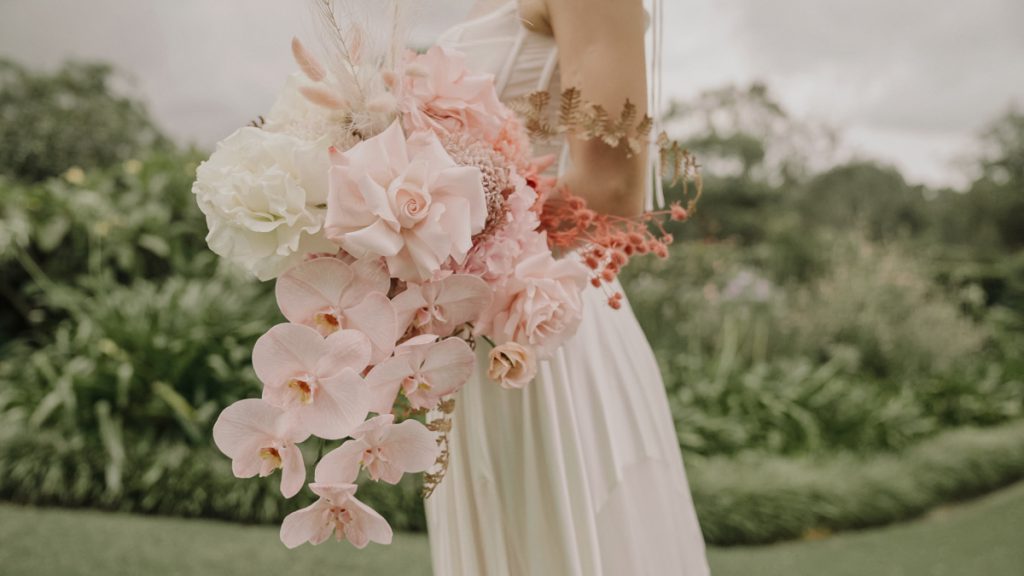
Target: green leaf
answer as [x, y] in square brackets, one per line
[51, 234]
[183, 411]
[155, 244]
[110, 435]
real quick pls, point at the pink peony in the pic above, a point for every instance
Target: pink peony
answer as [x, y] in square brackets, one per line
[337, 512]
[439, 92]
[539, 305]
[424, 369]
[259, 439]
[387, 451]
[329, 295]
[319, 379]
[439, 307]
[406, 201]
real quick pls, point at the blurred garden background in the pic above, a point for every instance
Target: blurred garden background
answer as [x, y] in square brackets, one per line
[843, 348]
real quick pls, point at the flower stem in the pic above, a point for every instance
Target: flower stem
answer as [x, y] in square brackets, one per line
[320, 452]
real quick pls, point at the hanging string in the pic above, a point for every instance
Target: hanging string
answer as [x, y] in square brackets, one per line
[656, 109]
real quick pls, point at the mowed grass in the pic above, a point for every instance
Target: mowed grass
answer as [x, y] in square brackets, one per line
[983, 537]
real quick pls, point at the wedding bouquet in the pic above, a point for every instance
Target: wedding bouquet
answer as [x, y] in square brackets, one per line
[397, 203]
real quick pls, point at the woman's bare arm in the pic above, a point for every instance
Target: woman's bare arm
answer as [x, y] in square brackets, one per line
[601, 52]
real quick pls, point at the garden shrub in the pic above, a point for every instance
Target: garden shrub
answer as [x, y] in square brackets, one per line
[759, 498]
[813, 375]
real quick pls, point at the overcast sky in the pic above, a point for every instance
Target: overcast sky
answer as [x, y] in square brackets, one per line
[908, 81]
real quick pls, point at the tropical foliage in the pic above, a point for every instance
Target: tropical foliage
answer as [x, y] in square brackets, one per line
[816, 322]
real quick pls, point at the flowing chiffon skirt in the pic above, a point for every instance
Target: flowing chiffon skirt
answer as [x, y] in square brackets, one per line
[577, 474]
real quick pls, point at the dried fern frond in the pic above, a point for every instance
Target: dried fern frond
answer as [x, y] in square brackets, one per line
[587, 121]
[569, 109]
[442, 425]
[581, 119]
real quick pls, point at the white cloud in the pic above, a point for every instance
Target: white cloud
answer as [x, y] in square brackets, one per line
[905, 77]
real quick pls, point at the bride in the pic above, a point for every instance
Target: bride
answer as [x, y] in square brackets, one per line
[578, 473]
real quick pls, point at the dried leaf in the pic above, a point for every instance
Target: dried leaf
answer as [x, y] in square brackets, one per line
[569, 110]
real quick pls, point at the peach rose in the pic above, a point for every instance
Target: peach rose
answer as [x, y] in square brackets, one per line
[512, 365]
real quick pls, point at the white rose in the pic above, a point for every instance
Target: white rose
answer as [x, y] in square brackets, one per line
[264, 195]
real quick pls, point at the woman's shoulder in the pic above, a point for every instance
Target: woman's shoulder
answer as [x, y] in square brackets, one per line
[534, 15]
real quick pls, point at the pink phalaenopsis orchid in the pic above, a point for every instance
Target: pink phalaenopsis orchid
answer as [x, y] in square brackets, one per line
[259, 439]
[441, 306]
[405, 200]
[337, 512]
[316, 378]
[424, 369]
[328, 294]
[385, 449]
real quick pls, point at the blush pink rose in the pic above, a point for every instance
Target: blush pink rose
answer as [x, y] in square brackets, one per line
[405, 200]
[439, 92]
[539, 305]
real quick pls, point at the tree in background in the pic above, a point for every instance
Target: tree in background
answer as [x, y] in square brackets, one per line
[73, 117]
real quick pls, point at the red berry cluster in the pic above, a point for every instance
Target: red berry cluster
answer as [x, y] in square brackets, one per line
[606, 242]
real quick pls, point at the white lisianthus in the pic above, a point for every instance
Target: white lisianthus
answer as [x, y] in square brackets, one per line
[264, 195]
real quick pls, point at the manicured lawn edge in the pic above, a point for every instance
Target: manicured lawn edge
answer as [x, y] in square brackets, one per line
[756, 499]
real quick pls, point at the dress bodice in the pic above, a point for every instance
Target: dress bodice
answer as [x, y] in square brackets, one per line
[522, 61]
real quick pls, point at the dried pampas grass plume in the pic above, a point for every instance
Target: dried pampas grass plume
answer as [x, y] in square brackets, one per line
[308, 63]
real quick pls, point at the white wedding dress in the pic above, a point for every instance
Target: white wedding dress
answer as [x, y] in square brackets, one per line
[578, 474]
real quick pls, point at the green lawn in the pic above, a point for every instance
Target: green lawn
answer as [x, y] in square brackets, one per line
[983, 537]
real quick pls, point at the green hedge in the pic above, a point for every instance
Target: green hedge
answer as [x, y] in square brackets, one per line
[164, 478]
[758, 499]
[750, 499]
